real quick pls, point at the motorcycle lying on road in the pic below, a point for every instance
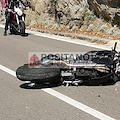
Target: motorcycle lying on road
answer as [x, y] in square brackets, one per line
[103, 67]
[17, 22]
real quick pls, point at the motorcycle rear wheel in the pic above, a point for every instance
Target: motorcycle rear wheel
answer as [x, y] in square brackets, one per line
[38, 75]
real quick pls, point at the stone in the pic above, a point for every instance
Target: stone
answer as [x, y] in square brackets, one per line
[107, 9]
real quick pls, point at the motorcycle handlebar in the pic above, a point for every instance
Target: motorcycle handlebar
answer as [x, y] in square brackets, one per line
[13, 12]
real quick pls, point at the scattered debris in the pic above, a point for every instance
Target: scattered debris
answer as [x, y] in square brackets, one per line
[99, 95]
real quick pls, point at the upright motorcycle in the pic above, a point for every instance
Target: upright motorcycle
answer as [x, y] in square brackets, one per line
[17, 23]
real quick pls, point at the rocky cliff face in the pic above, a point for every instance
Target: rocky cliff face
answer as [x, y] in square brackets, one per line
[110, 3]
[1, 12]
[64, 13]
[74, 15]
[0, 7]
[107, 9]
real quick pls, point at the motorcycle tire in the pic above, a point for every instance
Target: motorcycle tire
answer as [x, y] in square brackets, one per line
[22, 28]
[39, 74]
[12, 30]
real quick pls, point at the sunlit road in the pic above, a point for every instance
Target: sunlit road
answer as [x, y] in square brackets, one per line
[17, 103]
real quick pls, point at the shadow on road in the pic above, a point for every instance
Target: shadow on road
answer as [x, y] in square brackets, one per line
[42, 86]
[26, 34]
[39, 86]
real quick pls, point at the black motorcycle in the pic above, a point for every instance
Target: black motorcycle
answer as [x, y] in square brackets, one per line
[102, 67]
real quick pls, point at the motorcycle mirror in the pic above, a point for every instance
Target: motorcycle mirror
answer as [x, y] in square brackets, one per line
[115, 45]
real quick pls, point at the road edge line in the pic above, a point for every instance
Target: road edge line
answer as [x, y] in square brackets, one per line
[54, 37]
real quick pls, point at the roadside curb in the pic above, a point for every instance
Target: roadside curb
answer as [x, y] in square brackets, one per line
[87, 38]
[73, 35]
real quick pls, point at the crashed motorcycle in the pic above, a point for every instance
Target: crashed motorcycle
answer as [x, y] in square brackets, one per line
[17, 22]
[101, 67]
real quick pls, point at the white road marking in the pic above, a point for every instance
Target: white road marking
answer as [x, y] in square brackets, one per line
[78, 105]
[5, 69]
[54, 37]
[67, 99]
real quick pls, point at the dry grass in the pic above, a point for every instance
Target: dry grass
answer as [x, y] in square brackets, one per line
[79, 31]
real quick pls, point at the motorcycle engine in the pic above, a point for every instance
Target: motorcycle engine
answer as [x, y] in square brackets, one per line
[118, 69]
[86, 72]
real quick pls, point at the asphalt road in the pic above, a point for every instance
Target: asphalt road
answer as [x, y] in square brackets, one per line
[17, 103]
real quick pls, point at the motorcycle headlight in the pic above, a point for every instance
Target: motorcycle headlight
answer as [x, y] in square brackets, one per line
[19, 12]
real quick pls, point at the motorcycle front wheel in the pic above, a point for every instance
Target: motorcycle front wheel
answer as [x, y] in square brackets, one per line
[39, 74]
[12, 30]
[22, 28]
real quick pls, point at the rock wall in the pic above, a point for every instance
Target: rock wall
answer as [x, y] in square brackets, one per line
[70, 13]
[0, 5]
[73, 14]
[110, 3]
[1, 13]
[107, 9]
